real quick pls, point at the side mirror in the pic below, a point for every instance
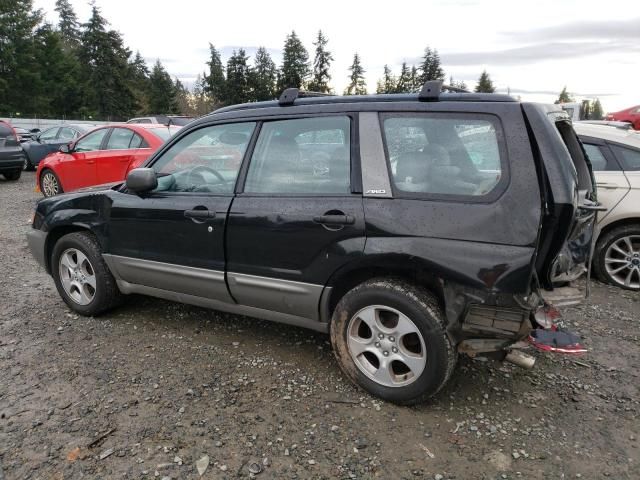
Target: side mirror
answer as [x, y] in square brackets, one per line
[141, 180]
[66, 148]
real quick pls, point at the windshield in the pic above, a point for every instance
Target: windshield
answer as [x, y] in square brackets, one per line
[164, 132]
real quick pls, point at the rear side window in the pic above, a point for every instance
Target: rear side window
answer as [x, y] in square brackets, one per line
[120, 139]
[629, 158]
[598, 161]
[443, 154]
[302, 156]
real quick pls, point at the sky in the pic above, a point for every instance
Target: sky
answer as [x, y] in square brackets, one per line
[531, 49]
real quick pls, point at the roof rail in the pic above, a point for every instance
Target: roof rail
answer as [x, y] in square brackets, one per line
[291, 94]
[432, 88]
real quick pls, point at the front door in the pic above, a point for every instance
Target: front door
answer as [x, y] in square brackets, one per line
[79, 167]
[610, 179]
[172, 238]
[296, 221]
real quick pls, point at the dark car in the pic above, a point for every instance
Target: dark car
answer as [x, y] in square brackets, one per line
[50, 140]
[409, 227]
[11, 154]
[25, 135]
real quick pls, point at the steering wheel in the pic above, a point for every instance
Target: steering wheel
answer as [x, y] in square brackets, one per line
[196, 171]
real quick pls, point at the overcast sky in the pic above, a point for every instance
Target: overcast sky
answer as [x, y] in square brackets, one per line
[532, 47]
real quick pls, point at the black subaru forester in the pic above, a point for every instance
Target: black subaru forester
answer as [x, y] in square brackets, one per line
[410, 227]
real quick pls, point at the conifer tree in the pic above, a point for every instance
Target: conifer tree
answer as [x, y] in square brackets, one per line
[564, 97]
[201, 103]
[403, 85]
[596, 110]
[387, 84]
[68, 24]
[295, 70]
[321, 64]
[357, 84]
[162, 91]
[238, 74]
[430, 69]
[485, 84]
[139, 78]
[214, 81]
[263, 76]
[182, 98]
[104, 58]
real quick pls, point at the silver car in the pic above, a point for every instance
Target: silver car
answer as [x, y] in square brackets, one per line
[615, 156]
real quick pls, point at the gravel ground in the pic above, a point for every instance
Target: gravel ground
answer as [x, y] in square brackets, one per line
[156, 389]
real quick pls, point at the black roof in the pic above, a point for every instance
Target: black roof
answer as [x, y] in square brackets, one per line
[347, 99]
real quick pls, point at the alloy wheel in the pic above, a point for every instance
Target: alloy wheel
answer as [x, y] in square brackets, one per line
[50, 186]
[386, 346]
[77, 276]
[622, 261]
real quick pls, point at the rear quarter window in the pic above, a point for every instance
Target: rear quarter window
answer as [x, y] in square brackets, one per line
[445, 156]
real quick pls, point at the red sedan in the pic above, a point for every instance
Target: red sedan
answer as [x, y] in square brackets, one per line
[629, 115]
[103, 155]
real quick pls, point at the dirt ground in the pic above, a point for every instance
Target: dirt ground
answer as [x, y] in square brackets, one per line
[152, 388]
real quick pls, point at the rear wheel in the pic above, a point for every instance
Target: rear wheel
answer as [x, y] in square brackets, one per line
[50, 184]
[81, 275]
[617, 258]
[15, 175]
[389, 338]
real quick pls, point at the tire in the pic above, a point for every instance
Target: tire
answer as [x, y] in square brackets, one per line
[15, 175]
[612, 246]
[50, 183]
[28, 166]
[75, 287]
[393, 301]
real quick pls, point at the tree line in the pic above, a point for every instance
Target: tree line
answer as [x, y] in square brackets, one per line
[85, 70]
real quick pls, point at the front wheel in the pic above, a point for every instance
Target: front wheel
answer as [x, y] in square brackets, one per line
[617, 257]
[81, 275]
[15, 175]
[389, 338]
[50, 184]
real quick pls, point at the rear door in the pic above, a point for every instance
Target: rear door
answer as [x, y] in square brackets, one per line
[570, 197]
[113, 162]
[297, 219]
[611, 181]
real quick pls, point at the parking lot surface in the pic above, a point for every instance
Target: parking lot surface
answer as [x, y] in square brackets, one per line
[159, 390]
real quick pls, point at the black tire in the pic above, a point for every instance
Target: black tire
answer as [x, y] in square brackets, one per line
[45, 191]
[15, 175]
[604, 243]
[106, 295]
[28, 166]
[422, 309]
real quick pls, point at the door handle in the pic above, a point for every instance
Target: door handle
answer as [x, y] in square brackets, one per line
[596, 207]
[335, 219]
[199, 214]
[91, 161]
[612, 186]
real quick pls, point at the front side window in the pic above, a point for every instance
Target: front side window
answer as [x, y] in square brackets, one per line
[91, 142]
[439, 154]
[629, 158]
[205, 160]
[302, 156]
[119, 139]
[49, 134]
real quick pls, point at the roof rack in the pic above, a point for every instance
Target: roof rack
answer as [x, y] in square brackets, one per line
[291, 94]
[432, 88]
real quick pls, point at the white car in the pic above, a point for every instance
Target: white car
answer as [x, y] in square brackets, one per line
[615, 156]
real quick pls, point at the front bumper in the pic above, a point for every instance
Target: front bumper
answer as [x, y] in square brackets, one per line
[37, 240]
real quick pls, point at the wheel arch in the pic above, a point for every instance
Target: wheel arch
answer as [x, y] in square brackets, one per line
[622, 222]
[56, 234]
[406, 267]
[40, 172]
